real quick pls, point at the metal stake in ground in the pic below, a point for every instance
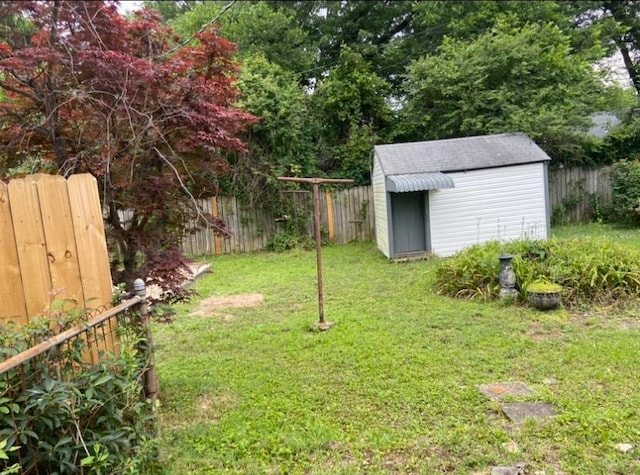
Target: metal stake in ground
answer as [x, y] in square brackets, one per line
[322, 323]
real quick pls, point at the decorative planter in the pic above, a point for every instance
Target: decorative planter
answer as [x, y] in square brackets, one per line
[544, 300]
[544, 295]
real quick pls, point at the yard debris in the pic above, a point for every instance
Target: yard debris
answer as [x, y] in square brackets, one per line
[155, 292]
[624, 448]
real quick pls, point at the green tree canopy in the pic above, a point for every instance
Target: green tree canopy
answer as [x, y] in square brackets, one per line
[280, 143]
[510, 79]
[351, 104]
[256, 29]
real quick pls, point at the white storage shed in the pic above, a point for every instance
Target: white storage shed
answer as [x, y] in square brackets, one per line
[440, 196]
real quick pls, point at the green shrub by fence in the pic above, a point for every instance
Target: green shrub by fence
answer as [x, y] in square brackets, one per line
[61, 412]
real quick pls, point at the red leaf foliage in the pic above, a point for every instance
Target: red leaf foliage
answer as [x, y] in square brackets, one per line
[153, 120]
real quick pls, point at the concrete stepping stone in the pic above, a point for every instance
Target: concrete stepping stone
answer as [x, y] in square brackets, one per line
[517, 469]
[497, 391]
[519, 411]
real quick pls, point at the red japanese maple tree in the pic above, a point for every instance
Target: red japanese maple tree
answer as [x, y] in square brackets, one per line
[152, 118]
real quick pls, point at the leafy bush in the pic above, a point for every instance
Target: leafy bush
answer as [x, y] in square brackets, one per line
[471, 273]
[59, 415]
[589, 270]
[625, 193]
[288, 240]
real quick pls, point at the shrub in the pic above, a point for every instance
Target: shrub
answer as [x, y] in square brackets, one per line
[59, 415]
[286, 241]
[471, 273]
[625, 192]
[590, 270]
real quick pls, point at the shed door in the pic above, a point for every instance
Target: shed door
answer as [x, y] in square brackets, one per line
[409, 222]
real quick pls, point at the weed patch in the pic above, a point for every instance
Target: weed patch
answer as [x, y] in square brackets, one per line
[590, 271]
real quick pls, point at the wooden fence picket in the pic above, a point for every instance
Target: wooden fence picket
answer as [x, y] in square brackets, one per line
[53, 249]
[31, 246]
[88, 226]
[12, 302]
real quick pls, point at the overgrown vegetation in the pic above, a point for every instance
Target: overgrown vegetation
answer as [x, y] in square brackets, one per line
[392, 387]
[61, 415]
[625, 193]
[561, 211]
[591, 271]
[305, 88]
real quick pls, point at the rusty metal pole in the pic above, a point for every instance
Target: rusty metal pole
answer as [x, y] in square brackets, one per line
[316, 182]
[316, 228]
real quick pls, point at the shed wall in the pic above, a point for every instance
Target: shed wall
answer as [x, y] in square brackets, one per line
[492, 204]
[381, 208]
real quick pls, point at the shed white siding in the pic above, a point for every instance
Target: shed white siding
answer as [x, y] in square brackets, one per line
[380, 208]
[491, 204]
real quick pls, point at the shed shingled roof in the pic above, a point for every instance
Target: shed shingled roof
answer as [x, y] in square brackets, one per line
[459, 154]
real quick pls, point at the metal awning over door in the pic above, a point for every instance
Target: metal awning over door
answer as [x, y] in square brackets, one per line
[418, 182]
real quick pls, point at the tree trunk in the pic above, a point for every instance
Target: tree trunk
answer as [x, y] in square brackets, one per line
[618, 10]
[631, 68]
[51, 102]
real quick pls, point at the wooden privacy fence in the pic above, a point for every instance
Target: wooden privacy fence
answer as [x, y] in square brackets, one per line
[346, 215]
[576, 192]
[52, 247]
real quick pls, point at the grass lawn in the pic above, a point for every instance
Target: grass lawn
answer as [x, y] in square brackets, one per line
[392, 387]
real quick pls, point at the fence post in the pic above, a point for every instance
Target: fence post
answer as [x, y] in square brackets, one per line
[150, 376]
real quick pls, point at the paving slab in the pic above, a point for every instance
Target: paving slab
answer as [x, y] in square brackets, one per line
[497, 391]
[519, 411]
[517, 469]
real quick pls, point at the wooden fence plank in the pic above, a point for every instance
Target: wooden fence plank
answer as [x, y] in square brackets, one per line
[57, 222]
[53, 247]
[93, 256]
[217, 238]
[330, 222]
[12, 302]
[31, 245]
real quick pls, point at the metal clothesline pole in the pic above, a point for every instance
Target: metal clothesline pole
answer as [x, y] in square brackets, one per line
[316, 182]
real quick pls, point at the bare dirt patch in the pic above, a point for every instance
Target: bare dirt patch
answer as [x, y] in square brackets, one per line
[629, 325]
[210, 307]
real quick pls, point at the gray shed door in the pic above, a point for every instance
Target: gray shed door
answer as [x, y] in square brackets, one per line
[408, 217]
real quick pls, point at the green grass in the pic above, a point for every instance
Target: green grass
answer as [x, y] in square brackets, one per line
[392, 387]
[626, 235]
